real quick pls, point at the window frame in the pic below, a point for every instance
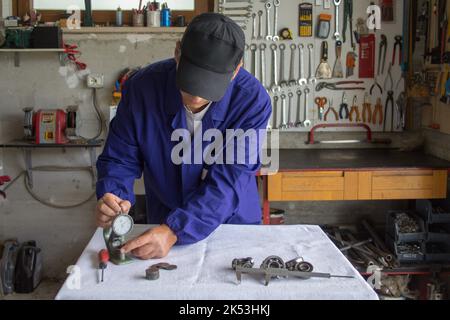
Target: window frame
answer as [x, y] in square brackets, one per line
[21, 7]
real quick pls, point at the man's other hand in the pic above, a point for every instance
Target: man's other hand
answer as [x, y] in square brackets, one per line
[152, 244]
[108, 208]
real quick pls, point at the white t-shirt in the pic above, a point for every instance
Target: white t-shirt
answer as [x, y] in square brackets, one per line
[193, 120]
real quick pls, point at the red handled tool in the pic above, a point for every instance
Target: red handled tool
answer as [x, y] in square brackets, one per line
[103, 257]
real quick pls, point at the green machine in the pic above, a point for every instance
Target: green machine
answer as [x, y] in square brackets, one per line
[115, 238]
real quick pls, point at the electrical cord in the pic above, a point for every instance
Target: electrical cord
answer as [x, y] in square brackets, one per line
[51, 169]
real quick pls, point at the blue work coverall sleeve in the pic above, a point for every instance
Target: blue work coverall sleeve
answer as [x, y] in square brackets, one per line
[120, 163]
[217, 197]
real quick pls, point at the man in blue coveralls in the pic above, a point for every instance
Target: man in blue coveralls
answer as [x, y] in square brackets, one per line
[203, 88]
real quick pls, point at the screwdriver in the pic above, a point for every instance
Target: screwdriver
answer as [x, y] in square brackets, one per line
[103, 257]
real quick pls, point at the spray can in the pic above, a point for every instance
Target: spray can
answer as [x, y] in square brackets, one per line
[119, 17]
[165, 16]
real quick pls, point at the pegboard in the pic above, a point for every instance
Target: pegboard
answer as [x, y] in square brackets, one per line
[288, 17]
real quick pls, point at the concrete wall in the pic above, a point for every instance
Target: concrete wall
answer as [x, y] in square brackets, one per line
[41, 82]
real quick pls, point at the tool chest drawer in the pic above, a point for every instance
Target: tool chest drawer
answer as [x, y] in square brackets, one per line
[308, 186]
[409, 184]
[351, 185]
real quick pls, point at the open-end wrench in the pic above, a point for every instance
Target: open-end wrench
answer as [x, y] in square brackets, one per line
[269, 124]
[312, 78]
[283, 82]
[247, 8]
[276, 4]
[306, 122]
[253, 49]
[284, 121]
[274, 87]
[275, 112]
[222, 2]
[247, 48]
[239, 15]
[290, 123]
[337, 3]
[268, 29]
[302, 79]
[299, 122]
[262, 64]
[292, 80]
[260, 21]
[254, 26]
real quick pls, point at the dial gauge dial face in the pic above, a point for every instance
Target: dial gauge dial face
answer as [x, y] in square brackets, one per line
[122, 224]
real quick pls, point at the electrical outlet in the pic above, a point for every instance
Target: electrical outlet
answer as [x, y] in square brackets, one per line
[95, 81]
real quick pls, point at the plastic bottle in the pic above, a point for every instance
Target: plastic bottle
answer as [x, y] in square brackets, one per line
[165, 16]
[119, 17]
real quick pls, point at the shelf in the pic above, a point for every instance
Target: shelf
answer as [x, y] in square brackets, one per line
[122, 30]
[17, 52]
[28, 147]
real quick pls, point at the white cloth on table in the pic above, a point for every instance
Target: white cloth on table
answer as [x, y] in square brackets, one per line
[204, 269]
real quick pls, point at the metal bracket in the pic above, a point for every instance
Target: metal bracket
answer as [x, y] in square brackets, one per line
[29, 167]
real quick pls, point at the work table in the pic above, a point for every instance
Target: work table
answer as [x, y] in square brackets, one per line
[204, 269]
[354, 175]
[357, 159]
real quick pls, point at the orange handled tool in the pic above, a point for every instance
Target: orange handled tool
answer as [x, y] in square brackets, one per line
[103, 257]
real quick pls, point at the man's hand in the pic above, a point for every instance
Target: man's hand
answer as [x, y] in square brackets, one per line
[108, 208]
[152, 244]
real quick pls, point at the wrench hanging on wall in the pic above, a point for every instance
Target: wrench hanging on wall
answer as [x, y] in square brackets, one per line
[337, 3]
[348, 19]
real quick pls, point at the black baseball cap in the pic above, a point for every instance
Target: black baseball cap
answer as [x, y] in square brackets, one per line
[211, 49]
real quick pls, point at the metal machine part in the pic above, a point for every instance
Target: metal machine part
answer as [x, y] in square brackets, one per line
[300, 265]
[244, 263]
[115, 238]
[152, 273]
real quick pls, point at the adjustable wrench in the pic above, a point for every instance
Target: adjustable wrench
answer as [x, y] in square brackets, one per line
[253, 49]
[276, 4]
[268, 29]
[337, 3]
[262, 64]
[284, 123]
[302, 80]
[312, 78]
[299, 122]
[283, 81]
[292, 80]
[254, 26]
[291, 97]
[275, 87]
[260, 14]
[306, 121]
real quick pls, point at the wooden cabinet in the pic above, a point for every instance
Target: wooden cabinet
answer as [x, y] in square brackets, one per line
[357, 185]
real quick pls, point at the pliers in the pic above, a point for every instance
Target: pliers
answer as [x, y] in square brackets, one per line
[399, 44]
[382, 54]
[348, 17]
[344, 113]
[389, 99]
[367, 109]
[376, 84]
[378, 113]
[337, 86]
[355, 110]
[331, 109]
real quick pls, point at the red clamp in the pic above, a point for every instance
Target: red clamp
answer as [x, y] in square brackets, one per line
[3, 180]
[72, 55]
[312, 140]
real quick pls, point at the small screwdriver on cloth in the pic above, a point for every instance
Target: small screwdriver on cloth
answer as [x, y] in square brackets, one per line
[103, 257]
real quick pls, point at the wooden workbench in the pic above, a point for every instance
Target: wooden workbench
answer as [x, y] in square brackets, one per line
[349, 175]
